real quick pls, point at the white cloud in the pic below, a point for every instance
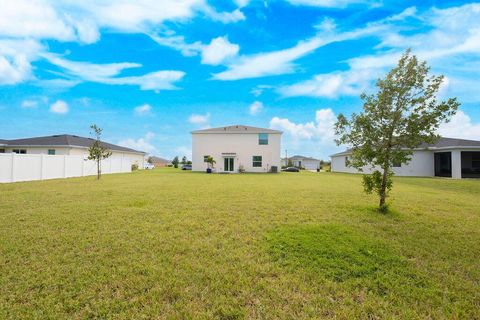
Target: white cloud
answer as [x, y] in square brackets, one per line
[329, 3]
[255, 108]
[265, 64]
[82, 21]
[106, 73]
[29, 104]
[225, 17]
[332, 85]
[316, 136]
[453, 33]
[199, 119]
[218, 51]
[282, 61]
[321, 129]
[59, 106]
[142, 110]
[141, 144]
[15, 60]
[178, 43]
[460, 126]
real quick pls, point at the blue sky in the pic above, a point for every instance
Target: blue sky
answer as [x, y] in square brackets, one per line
[149, 72]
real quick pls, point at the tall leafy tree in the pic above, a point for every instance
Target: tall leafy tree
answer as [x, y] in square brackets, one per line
[97, 152]
[175, 162]
[403, 114]
[184, 160]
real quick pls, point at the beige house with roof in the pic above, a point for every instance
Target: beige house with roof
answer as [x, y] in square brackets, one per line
[237, 148]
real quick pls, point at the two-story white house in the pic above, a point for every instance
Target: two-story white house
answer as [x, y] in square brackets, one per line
[236, 148]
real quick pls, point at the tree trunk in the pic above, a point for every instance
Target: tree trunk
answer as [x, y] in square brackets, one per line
[383, 189]
[98, 169]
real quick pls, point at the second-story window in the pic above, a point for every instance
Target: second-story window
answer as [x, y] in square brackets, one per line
[263, 138]
[51, 152]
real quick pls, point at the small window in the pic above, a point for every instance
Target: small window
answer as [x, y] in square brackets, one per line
[205, 158]
[51, 152]
[396, 164]
[257, 161]
[263, 138]
[2, 150]
[19, 151]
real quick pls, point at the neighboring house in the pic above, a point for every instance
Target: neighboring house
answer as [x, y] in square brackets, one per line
[455, 158]
[302, 162]
[66, 145]
[237, 147]
[159, 162]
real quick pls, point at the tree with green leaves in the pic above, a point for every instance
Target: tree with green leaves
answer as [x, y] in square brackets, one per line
[402, 115]
[175, 162]
[97, 151]
[184, 160]
[211, 162]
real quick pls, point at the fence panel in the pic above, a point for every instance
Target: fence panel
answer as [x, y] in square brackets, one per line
[28, 167]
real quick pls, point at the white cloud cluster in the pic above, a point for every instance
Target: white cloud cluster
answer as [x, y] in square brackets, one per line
[29, 104]
[59, 107]
[316, 136]
[142, 110]
[460, 126]
[141, 144]
[199, 119]
[255, 108]
[218, 51]
[322, 129]
[330, 3]
[451, 41]
[108, 74]
[83, 21]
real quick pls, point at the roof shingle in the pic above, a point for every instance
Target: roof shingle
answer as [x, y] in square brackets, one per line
[64, 140]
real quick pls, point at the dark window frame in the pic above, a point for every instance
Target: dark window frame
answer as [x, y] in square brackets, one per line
[51, 152]
[263, 139]
[258, 162]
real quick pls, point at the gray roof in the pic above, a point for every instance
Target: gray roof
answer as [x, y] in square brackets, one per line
[298, 157]
[159, 159]
[441, 143]
[237, 129]
[64, 140]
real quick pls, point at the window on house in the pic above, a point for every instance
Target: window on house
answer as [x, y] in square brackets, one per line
[2, 150]
[19, 151]
[51, 152]
[476, 160]
[205, 158]
[257, 161]
[263, 138]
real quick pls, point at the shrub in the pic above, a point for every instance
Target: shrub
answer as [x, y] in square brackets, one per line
[134, 167]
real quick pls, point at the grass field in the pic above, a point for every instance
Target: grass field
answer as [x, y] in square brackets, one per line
[168, 244]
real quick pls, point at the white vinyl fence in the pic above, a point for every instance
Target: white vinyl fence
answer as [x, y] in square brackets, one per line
[28, 167]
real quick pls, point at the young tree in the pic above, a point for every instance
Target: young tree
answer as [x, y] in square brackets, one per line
[175, 162]
[402, 115]
[211, 162]
[184, 160]
[97, 151]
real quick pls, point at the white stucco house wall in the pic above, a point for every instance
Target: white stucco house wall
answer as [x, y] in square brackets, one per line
[235, 147]
[453, 158]
[302, 162]
[67, 145]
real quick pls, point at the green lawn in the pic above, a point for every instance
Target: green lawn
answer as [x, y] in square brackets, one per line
[168, 244]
